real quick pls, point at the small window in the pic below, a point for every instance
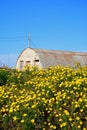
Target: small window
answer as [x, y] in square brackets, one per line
[21, 64]
[36, 60]
[27, 62]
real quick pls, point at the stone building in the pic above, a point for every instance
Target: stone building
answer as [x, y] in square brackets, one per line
[44, 58]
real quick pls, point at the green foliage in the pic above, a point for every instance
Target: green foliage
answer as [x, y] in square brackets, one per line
[4, 73]
[44, 99]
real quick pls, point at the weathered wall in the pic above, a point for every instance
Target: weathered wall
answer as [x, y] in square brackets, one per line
[45, 58]
[28, 56]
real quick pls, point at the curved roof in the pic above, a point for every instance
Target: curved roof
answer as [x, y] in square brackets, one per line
[57, 57]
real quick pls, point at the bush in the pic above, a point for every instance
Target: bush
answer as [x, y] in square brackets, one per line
[4, 73]
[45, 99]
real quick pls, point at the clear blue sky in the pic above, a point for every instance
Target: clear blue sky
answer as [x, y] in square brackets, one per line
[53, 24]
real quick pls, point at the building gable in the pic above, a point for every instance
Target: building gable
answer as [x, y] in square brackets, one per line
[45, 58]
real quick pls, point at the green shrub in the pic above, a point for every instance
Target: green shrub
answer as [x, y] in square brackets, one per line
[44, 99]
[4, 74]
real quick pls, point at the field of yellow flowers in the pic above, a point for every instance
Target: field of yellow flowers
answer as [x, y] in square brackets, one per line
[54, 98]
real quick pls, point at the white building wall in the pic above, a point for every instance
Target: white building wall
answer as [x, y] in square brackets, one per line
[28, 56]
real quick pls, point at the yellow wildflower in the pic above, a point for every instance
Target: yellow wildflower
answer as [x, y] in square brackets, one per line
[32, 120]
[14, 118]
[70, 119]
[78, 126]
[22, 121]
[66, 112]
[24, 114]
[77, 118]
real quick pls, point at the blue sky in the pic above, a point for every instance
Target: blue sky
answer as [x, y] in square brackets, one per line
[53, 24]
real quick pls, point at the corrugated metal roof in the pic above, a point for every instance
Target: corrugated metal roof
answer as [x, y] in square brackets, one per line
[56, 57]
